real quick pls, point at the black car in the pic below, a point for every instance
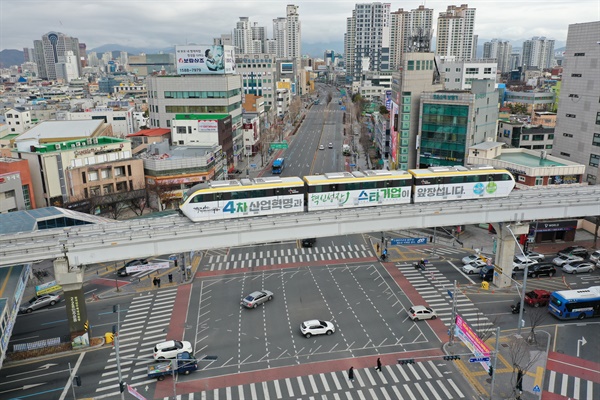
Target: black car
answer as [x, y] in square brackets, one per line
[574, 250]
[541, 270]
[308, 242]
[123, 270]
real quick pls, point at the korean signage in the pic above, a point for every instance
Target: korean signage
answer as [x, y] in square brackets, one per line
[48, 287]
[205, 59]
[553, 226]
[147, 267]
[395, 195]
[208, 126]
[464, 332]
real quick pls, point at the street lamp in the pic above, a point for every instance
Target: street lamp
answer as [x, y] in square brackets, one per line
[524, 282]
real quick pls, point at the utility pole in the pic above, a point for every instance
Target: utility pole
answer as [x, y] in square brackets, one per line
[117, 309]
[495, 362]
[453, 322]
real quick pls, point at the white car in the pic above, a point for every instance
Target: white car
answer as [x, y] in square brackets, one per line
[472, 268]
[417, 313]
[171, 348]
[316, 327]
[519, 263]
[321, 147]
[535, 256]
[468, 259]
[595, 256]
[579, 267]
[567, 259]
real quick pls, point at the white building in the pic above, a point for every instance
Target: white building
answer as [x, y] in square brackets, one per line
[404, 25]
[454, 33]
[284, 98]
[67, 67]
[458, 74]
[538, 52]
[242, 36]
[280, 36]
[501, 51]
[294, 33]
[18, 120]
[122, 121]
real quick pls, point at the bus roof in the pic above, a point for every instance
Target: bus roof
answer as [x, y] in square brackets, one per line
[577, 294]
[345, 176]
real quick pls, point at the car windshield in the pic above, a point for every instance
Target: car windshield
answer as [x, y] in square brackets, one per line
[533, 295]
[178, 345]
[249, 298]
[322, 323]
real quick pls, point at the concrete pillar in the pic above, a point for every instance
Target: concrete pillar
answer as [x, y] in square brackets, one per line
[505, 250]
[71, 280]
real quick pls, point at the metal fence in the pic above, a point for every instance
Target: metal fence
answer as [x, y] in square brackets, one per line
[40, 344]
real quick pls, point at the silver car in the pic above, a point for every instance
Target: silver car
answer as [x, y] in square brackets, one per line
[256, 298]
[38, 302]
[579, 267]
[566, 259]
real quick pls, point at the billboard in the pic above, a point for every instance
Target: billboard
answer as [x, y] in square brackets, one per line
[205, 125]
[204, 60]
[287, 68]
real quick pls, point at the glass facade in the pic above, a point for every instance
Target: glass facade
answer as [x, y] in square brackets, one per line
[443, 134]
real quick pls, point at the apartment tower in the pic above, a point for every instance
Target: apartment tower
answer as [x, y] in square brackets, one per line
[454, 34]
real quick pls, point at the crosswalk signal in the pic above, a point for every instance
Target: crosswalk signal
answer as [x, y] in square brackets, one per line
[450, 358]
[122, 386]
[491, 371]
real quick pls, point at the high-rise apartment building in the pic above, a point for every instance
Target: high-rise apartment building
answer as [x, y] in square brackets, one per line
[48, 50]
[455, 32]
[280, 35]
[28, 55]
[294, 33]
[538, 52]
[577, 136]
[410, 31]
[349, 40]
[367, 35]
[501, 51]
[242, 36]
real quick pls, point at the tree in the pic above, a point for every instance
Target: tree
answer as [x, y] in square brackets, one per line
[536, 316]
[383, 110]
[522, 356]
[159, 195]
[295, 108]
[138, 205]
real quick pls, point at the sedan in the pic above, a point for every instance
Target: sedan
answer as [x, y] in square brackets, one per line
[469, 259]
[321, 147]
[256, 298]
[578, 267]
[566, 259]
[472, 268]
[519, 263]
[171, 348]
[316, 327]
[38, 302]
[417, 313]
[532, 255]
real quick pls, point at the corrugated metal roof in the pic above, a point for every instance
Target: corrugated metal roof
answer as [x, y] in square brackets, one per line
[62, 129]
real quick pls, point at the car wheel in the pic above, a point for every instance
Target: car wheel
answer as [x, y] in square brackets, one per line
[270, 298]
[416, 319]
[52, 302]
[581, 316]
[590, 270]
[574, 272]
[470, 272]
[161, 378]
[329, 333]
[308, 335]
[536, 305]
[29, 311]
[187, 372]
[254, 306]
[433, 316]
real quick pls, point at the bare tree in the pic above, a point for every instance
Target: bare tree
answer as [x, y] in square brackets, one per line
[159, 195]
[522, 356]
[138, 205]
[294, 109]
[536, 316]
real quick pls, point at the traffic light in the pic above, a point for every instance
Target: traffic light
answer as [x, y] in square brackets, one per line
[450, 358]
[491, 371]
[122, 386]
[77, 380]
[407, 361]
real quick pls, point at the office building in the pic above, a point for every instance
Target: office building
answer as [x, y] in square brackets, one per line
[294, 33]
[538, 52]
[259, 75]
[454, 33]
[459, 74]
[577, 135]
[48, 50]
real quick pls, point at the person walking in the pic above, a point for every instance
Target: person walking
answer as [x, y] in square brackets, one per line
[378, 368]
[158, 281]
[351, 374]
[154, 282]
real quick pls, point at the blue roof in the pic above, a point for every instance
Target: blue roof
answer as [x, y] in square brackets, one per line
[45, 218]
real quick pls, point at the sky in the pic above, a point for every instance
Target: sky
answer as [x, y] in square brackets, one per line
[164, 23]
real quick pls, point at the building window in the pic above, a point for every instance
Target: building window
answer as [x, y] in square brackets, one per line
[105, 173]
[596, 140]
[579, 54]
[594, 160]
[562, 153]
[411, 65]
[539, 181]
[567, 135]
[525, 137]
[575, 75]
[548, 146]
[598, 118]
[570, 115]
[181, 129]
[92, 176]
[95, 191]
[119, 171]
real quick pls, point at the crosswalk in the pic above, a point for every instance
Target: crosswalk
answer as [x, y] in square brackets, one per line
[433, 286]
[145, 324]
[251, 259]
[571, 386]
[423, 380]
[440, 251]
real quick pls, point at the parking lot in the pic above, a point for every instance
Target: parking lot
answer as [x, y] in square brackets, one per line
[364, 303]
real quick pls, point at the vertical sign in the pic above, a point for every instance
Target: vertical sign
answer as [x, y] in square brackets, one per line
[77, 316]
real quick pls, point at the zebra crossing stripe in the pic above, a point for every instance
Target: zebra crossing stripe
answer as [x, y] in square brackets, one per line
[432, 389]
[240, 393]
[324, 381]
[313, 384]
[456, 389]
[265, 391]
[301, 385]
[385, 393]
[446, 392]
[288, 383]
[369, 376]
[336, 381]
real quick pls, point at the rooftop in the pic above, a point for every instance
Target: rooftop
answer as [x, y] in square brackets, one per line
[529, 160]
[151, 132]
[62, 129]
[45, 218]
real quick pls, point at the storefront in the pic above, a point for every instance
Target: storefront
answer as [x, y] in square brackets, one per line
[551, 231]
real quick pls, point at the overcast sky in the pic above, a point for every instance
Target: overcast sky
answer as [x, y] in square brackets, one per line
[163, 23]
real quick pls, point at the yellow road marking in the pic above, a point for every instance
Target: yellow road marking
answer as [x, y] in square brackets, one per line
[6, 281]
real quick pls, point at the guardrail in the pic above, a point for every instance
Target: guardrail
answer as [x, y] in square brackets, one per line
[40, 344]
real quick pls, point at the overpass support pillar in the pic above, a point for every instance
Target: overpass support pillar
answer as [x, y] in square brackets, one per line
[505, 250]
[71, 280]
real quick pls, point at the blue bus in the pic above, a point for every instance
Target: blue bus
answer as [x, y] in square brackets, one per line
[578, 303]
[278, 166]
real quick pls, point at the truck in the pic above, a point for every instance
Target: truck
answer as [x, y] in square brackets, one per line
[185, 364]
[278, 166]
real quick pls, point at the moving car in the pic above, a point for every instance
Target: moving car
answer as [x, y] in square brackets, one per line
[38, 302]
[566, 259]
[579, 267]
[256, 298]
[330, 145]
[310, 242]
[472, 268]
[171, 348]
[186, 363]
[545, 269]
[321, 147]
[123, 270]
[468, 259]
[595, 256]
[537, 297]
[417, 313]
[316, 327]
[532, 255]
[574, 250]
[519, 263]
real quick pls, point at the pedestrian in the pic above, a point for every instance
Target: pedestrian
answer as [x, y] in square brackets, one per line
[158, 281]
[170, 278]
[351, 374]
[154, 282]
[377, 247]
[378, 368]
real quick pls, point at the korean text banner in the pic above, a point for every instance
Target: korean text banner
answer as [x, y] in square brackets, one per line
[204, 59]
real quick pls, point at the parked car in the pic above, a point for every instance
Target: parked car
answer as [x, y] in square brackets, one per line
[316, 327]
[186, 363]
[537, 297]
[473, 267]
[38, 302]
[254, 299]
[566, 259]
[519, 263]
[310, 242]
[579, 267]
[545, 269]
[171, 348]
[487, 273]
[595, 256]
[532, 255]
[574, 250]
[417, 313]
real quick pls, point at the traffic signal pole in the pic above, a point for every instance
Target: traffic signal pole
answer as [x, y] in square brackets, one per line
[495, 362]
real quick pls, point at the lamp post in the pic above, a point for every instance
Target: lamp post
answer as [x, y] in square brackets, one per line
[524, 289]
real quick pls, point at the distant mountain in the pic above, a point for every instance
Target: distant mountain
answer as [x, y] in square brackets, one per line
[11, 57]
[317, 50]
[131, 50]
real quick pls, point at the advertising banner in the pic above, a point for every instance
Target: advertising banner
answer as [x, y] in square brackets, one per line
[464, 332]
[48, 287]
[208, 126]
[77, 316]
[147, 267]
[204, 60]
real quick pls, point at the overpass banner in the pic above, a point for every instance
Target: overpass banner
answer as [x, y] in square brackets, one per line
[148, 267]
